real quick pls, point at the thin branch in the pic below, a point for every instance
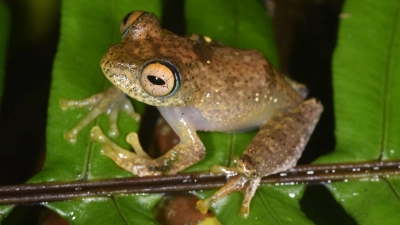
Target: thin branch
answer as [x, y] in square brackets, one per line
[304, 174]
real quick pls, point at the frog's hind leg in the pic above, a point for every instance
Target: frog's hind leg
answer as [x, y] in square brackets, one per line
[280, 142]
[276, 147]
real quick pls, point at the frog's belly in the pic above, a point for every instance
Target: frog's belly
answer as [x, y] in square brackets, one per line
[224, 124]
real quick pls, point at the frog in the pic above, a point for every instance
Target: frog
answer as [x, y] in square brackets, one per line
[199, 84]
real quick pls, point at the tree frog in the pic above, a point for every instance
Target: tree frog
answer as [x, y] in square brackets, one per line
[199, 84]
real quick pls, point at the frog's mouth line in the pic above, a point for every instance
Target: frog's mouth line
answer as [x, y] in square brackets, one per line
[132, 90]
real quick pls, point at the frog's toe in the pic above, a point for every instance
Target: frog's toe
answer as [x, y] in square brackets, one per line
[136, 162]
[133, 139]
[128, 108]
[251, 188]
[71, 136]
[237, 183]
[229, 171]
[112, 132]
[125, 159]
[63, 103]
[204, 205]
[97, 135]
[66, 104]
[113, 115]
[136, 116]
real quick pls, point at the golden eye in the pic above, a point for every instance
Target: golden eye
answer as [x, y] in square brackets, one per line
[128, 20]
[160, 79]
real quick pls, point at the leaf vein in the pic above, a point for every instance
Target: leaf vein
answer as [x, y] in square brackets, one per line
[269, 209]
[118, 210]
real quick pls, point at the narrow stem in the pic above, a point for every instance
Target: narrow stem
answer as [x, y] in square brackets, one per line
[304, 174]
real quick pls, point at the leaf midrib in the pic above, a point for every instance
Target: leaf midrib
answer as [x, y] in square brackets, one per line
[389, 74]
[269, 209]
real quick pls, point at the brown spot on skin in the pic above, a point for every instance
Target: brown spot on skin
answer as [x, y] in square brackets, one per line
[248, 160]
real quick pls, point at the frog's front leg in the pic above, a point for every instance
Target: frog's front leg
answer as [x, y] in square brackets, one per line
[276, 147]
[111, 102]
[189, 151]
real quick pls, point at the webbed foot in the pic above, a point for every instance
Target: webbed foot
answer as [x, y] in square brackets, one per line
[110, 102]
[137, 162]
[238, 183]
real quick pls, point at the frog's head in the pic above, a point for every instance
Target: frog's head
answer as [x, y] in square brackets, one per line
[140, 65]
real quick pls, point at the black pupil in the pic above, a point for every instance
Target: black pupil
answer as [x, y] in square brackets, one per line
[155, 80]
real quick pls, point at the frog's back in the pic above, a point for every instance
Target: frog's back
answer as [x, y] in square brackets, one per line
[239, 89]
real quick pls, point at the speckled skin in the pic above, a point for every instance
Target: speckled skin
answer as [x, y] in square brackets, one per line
[234, 89]
[219, 89]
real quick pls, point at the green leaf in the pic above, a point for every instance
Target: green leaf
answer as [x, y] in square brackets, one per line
[119, 209]
[366, 98]
[4, 211]
[4, 20]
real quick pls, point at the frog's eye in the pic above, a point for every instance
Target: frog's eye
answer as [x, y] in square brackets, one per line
[160, 79]
[128, 20]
